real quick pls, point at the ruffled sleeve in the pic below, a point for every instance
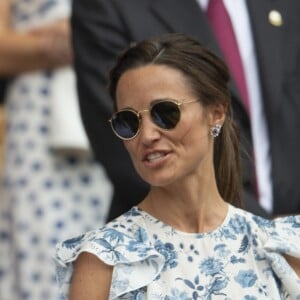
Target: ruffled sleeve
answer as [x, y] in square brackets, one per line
[136, 263]
[283, 237]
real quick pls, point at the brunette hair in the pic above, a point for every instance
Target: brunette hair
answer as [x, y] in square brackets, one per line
[208, 77]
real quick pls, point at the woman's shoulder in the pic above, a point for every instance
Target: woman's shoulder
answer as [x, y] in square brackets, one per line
[109, 242]
[272, 228]
[280, 224]
[123, 243]
[279, 235]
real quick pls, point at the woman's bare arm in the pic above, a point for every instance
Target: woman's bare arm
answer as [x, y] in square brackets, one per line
[91, 279]
[46, 47]
[294, 263]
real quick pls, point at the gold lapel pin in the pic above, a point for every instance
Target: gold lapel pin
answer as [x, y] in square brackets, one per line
[275, 18]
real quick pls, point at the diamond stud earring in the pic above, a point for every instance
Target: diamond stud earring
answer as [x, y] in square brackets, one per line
[215, 130]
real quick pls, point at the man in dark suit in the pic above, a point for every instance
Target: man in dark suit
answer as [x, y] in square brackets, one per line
[102, 28]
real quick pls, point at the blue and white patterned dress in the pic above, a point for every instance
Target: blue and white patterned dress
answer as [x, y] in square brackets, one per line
[241, 259]
[48, 196]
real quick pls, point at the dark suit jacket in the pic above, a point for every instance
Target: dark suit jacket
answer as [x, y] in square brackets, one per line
[102, 28]
[3, 83]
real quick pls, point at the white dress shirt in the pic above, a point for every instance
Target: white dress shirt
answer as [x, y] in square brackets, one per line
[237, 10]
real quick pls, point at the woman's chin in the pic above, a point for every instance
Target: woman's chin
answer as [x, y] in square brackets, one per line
[159, 181]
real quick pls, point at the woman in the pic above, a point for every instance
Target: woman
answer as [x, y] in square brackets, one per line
[187, 239]
[48, 194]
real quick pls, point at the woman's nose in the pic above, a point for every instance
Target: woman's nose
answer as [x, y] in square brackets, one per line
[149, 132]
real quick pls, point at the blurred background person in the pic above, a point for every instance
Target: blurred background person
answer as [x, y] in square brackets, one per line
[51, 189]
[3, 82]
[265, 103]
[2, 128]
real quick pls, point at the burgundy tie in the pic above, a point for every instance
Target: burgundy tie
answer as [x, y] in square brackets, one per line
[223, 29]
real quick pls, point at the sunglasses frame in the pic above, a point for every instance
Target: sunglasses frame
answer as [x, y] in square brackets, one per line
[138, 114]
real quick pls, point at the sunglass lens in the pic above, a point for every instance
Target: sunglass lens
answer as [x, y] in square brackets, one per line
[125, 124]
[165, 114]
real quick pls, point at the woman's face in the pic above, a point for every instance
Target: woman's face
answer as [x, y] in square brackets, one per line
[162, 157]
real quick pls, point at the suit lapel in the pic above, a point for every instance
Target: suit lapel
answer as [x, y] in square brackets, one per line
[268, 43]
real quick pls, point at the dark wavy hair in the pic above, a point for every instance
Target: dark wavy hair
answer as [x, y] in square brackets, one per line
[208, 77]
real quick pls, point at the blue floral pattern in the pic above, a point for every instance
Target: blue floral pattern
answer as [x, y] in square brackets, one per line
[242, 259]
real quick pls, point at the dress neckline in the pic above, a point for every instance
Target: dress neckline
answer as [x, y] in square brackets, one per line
[147, 217]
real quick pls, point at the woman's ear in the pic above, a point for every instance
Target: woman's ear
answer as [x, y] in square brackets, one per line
[217, 113]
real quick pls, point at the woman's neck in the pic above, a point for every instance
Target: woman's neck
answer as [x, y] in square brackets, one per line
[186, 209]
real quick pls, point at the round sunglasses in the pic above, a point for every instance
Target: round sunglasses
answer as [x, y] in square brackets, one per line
[164, 113]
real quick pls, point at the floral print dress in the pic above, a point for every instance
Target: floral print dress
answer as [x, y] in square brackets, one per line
[241, 259]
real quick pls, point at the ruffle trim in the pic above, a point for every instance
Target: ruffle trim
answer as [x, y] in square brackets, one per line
[136, 263]
[286, 242]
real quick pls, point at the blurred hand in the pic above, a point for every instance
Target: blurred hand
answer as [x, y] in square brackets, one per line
[55, 42]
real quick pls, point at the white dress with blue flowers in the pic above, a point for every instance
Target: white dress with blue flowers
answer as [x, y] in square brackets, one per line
[241, 259]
